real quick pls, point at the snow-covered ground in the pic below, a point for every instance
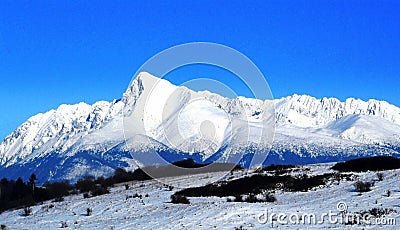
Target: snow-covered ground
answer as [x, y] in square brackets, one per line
[116, 211]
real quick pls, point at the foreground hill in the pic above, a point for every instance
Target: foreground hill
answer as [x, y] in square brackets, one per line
[146, 204]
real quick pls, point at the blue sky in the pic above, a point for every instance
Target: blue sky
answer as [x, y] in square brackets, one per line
[54, 52]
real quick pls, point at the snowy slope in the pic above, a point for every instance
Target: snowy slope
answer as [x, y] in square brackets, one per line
[55, 130]
[115, 211]
[176, 122]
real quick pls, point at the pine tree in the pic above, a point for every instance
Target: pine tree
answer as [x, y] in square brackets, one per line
[19, 189]
[32, 183]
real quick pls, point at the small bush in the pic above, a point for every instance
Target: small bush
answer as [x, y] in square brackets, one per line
[3, 227]
[58, 199]
[86, 195]
[137, 196]
[127, 187]
[380, 176]
[269, 197]
[388, 193]
[238, 198]
[378, 212]
[363, 186]
[27, 211]
[179, 199]
[89, 212]
[98, 190]
[240, 228]
[64, 224]
[251, 199]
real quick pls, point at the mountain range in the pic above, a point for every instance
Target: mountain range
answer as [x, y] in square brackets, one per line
[155, 117]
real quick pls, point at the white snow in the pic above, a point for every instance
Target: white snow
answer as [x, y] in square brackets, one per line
[115, 211]
[173, 117]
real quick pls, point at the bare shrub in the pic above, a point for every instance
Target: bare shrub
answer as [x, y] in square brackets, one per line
[363, 186]
[89, 212]
[64, 224]
[179, 199]
[27, 211]
[238, 198]
[380, 176]
[58, 199]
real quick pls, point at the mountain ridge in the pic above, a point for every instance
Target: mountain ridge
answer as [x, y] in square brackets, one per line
[97, 130]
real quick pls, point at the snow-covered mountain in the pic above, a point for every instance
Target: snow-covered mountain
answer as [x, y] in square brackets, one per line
[154, 116]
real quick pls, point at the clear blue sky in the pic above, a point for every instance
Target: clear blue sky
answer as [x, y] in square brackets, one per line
[54, 52]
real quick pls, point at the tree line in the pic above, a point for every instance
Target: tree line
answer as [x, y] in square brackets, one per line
[19, 194]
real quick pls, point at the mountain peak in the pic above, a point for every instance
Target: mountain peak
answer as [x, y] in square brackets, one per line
[146, 80]
[142, 81]
[79, 137]
[146, 77]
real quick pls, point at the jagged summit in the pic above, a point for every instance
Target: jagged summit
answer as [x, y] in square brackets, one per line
[80, 139]
[307, 111]
[148, 79]
[144, 81]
